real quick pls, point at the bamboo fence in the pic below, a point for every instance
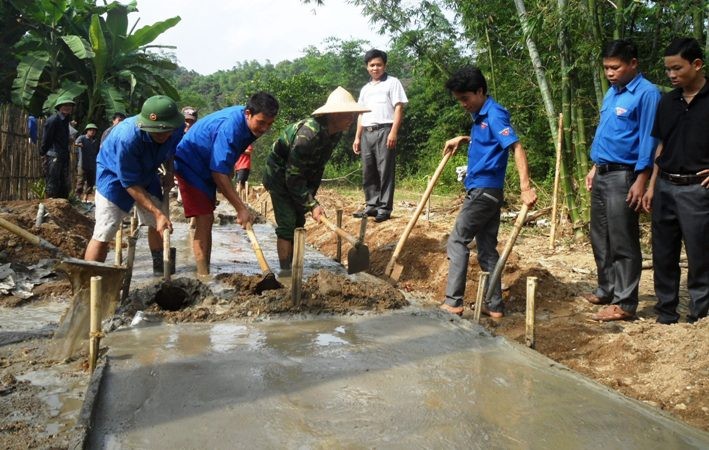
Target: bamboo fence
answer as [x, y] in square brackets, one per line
[20, 163]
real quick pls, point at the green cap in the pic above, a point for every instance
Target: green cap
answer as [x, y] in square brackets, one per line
[159, 113]
[91, 126]
[64, 100]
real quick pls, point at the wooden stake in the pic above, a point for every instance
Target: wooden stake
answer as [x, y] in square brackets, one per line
[119, 245]
[297, 268]
[338, 256]
[557, 176]
[480, 295]
[248, 191]
[95, 331]
[134, 222]
[428, 203]
[531, 292]
[362, 229]
[130, 259]
[166, 254]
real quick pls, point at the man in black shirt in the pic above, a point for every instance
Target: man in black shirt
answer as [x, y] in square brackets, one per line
[679, 187]
[55, 150]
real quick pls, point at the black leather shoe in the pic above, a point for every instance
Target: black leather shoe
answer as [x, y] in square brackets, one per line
[364, 213]
[382, 217]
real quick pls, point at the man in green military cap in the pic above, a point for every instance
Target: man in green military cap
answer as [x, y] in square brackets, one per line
[127, 173]
[295, 166]
[87, 144]
[55, 149]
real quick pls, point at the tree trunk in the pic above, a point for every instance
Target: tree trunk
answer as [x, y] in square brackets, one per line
[619, 23]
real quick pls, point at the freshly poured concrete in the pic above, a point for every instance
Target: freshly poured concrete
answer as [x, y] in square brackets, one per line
[409, 379]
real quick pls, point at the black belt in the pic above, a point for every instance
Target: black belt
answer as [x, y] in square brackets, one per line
[605, 168]
[682, 179]
[377, 126]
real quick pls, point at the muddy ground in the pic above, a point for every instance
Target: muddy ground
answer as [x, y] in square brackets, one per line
[664, 366]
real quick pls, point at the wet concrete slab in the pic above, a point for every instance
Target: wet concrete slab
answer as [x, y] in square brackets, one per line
[406, 379]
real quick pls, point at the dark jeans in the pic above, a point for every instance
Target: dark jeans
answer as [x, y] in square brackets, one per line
[378, 164]
[56, 176]
[479, 219]
[615, 238]
[680, 213]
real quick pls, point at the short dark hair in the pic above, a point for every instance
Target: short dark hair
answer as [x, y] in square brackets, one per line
[262, 102]
[118, 115]
[467, 79]
[374, 53]
[686, 48]
[622, 49]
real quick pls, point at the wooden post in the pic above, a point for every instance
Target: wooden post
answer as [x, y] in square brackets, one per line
[480, 296]
[130, 259]
[134, 222]
[531, 292]
[297, 269]
[119, 245]
[557, 176]
[166, 254]
[95, 331]
[41, 211]
[338, 256]
[248, 191]
[428, 203]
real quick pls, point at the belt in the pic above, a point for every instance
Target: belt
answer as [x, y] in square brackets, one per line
[377, 126]
[605, 168]
[682, 179]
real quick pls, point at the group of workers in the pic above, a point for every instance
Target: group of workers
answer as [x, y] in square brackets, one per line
[649, 152]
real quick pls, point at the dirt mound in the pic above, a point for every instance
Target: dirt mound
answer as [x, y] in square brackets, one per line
[64, 226]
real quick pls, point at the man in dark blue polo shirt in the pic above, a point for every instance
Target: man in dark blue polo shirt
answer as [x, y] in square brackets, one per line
[127, 173]
[491, 140]
[679, 187]
[622, 160]
[204, 162]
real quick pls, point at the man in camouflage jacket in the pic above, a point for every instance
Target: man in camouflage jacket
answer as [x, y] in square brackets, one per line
[295, 166]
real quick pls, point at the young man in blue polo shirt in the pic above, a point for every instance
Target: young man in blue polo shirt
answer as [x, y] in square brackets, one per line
[127, 173]
[205, 162]
[679, 188]
[491, 140]
[622, 159]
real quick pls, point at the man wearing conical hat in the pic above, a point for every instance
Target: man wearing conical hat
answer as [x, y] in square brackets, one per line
[295, 166]
[88, 144]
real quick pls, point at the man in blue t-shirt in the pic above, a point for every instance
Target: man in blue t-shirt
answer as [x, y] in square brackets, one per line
[622, 158]
[127, 173]
[491, 140]
[205, 160]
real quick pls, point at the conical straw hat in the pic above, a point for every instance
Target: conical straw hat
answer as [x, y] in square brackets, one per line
[340, 101]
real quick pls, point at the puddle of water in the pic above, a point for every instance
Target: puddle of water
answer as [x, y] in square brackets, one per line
[63, 394]
[393, 380]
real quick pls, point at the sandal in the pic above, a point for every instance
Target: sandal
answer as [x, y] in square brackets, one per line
[457, 310]
[611, 313]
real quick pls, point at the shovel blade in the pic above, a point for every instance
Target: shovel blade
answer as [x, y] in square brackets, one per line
[358, 259]
[268, 283]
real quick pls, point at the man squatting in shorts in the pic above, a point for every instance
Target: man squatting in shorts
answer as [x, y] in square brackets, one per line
[204, 162]
[127, 173]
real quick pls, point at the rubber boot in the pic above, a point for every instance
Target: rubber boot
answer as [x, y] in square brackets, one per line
[285, 256]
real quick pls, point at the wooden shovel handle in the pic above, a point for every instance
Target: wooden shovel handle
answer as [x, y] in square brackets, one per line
[166, 254]
[521, 217]
[340, 232]
[257, 249]
[36, 240]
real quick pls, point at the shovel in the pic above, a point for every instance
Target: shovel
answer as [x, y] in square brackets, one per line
[393, 269]
[269, 281]
[74, 324]
[358, 256]
[495, 276]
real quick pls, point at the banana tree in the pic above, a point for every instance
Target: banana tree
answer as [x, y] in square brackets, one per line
[92, 51]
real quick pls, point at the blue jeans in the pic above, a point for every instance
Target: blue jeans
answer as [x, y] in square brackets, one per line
[479, 219]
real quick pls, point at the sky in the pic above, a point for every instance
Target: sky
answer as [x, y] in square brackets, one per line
[216, 34]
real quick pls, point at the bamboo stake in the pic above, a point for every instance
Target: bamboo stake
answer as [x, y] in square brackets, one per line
[119, 245]
[338, 256]
[95, 332]
[297, 268]
[480, 296]
[557, 174]
[531, 292]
